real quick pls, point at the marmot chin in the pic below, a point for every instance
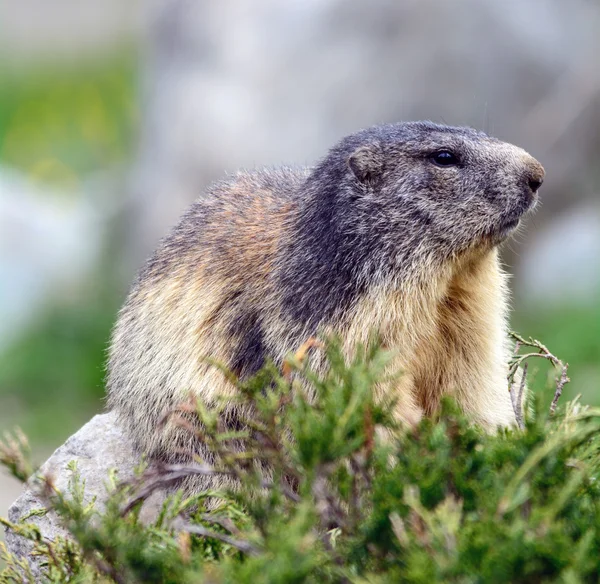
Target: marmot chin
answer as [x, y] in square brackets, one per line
[394, 233]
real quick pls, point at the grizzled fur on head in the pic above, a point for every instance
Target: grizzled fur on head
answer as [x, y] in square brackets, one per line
[378, 207]
[394, 233]
[395, 183]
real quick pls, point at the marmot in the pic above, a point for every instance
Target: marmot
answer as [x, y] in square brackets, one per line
[394, 232]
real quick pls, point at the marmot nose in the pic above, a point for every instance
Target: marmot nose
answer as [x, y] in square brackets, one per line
[534, 175]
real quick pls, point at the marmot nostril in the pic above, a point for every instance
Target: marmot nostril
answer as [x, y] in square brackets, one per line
[535, 184]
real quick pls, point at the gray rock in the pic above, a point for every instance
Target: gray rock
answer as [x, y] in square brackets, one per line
[97, 447]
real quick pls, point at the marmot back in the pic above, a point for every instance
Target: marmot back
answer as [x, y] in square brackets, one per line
[393, 233]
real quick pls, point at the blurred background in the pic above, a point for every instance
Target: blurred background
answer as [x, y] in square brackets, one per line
[115, 115]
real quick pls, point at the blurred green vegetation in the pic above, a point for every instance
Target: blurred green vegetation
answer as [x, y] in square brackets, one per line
[51, 379]
[572, 333]
[59, 122]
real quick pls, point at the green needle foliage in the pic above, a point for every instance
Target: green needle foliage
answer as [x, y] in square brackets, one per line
[322, 487]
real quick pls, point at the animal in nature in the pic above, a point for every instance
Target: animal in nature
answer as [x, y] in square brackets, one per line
[394, 233]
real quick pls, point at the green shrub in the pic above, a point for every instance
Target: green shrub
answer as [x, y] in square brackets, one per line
[443, 502]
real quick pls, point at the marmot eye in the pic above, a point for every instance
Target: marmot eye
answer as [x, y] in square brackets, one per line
[444, 158]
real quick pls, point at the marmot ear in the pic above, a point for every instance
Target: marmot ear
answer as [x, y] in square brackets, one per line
[366, 162]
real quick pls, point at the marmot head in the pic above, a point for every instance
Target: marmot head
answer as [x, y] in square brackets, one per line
[440, 188]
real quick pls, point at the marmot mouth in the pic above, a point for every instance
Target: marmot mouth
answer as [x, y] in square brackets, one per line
[508, 226]
[503, 230]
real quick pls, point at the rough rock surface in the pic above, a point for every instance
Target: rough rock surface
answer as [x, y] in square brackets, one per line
[97, 447]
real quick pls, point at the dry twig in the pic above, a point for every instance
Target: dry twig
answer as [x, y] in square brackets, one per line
[165, 475]
[517, 398]
[240, 544]
[519, 360]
